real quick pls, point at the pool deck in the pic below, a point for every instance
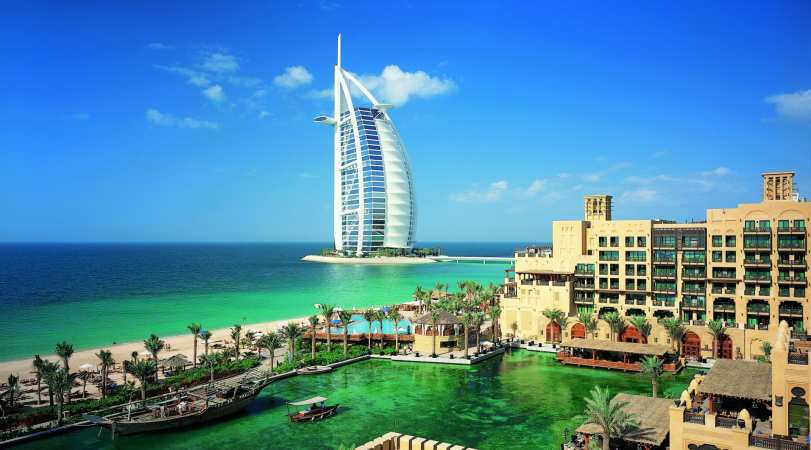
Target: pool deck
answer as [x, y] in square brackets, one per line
[540, 347]
[458, 357]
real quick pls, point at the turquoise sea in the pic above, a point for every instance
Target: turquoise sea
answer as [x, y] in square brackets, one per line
[99, 294]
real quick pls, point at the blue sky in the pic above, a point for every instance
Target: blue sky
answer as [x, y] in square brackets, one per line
[188, 121]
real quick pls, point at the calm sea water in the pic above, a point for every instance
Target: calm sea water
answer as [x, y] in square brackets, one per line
[97, 294]
[519, 401]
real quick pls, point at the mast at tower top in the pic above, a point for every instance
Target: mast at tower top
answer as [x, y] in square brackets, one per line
[339, 50]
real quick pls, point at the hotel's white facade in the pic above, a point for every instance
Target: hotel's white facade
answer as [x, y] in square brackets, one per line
[373, 187]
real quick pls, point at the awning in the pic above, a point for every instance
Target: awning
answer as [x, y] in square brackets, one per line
[740, 379]
[310, 401]
[620, 347]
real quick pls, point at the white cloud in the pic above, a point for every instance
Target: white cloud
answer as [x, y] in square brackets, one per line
[642, 195]
[592, 177]
[214, 93]
[395, 86]
[493, 193]
[160, 119]
[159, 46]
[795, 105]
[564, 175]
[192, 76]
[320, 94]
[717, 172]
[536, 186]
[293, 77]
[263, 114]
[220, 63]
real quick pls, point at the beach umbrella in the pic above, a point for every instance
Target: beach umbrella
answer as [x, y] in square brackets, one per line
[87, 367]
[146, 354]
[335, 321]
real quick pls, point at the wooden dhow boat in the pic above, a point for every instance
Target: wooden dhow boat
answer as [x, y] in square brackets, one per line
[316, 409]
[182, 410]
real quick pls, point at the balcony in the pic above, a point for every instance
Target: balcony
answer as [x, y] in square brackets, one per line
[665, 275]
[757, 262]
[584, 272]
[791, 230]
[664, 260]
[693, 304]
[775, 443]
[724, 276]
[789, 311]
[722, 290]
[689, 275]
[722, 308]
[757, 277]
[796, 279]
[791, 245]
[694, 289]
[800, 359]
[787, 263]
[693, 261]
[759, 326]
[691, 417]
[757, 230]
[757, 245]
[663, 303]
[664, 289]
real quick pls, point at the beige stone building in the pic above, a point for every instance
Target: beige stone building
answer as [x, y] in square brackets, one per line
[745, 265]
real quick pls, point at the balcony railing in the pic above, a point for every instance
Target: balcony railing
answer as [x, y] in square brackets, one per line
[726, 422]
[798, 358]
[693, 289]
[693, 303]
[791, 279]
[790, 245]
[791, 229]
[664, 259]
[757, 244]
[786, 311]
[775, 443]
[757, 277]
[757, 262]
[693, 260]
[756, 229]
[665, 303]
[756, 326]
[790, 263]
[723, 308]
[691, 417]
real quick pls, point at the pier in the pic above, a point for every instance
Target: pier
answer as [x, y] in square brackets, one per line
[473, 259]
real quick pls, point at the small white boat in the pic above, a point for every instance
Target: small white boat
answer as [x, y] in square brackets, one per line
[312, 370]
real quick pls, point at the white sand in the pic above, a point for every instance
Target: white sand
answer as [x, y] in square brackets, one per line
[379, 260]
[183, 343]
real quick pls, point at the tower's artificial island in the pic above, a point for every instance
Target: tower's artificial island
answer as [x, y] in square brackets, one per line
[373, 200]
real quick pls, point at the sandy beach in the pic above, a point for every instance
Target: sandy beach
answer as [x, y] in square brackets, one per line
[181, 343]
[379, 260]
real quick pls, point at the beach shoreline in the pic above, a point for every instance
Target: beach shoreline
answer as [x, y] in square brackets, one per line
[180, 343]
[376, 260]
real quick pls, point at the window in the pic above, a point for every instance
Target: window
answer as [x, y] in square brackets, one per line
[717, 240]
[717, 256]
[783, 292]
[749, 225]
[629, 284]
[629, 269]
[782, 225]
[615, 241]
[693, 256]
[603, 269]
[764, 225]
[799, 224]
[664, 256]
[603, 241]
[730, 241]
[609, 255]
[614, 269]
[668, 241]
[730, 256]
[641, 270]
[635, 255]
[641, 285]
[629, 241]
[799, 292]
[642, 241]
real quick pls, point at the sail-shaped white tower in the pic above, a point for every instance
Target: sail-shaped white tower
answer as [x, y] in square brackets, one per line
[373, 187]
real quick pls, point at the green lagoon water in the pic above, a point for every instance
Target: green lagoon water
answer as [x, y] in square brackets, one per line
[98, 294]
[516, 401]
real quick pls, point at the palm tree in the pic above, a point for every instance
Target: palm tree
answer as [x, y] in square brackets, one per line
[652, 367]
[143, 370]
[495, 314]
[675, 330]
[47, 370]
[380, 316]
[557, 317]
[205, 336]
[270, 341]
[766, 348]
[83, 375]
[313, 325]
[434, 315]
[327, 312]
[13, 388]
[615, 322]
[419, 294]
[477, 323]
[589, 322]
[608, 414]
[195, 328]
[345, 317]
[291, 332]
[514, 328]
[59, 382]
[468, 319]
[209, 361]
[153, 344]
[106, 359]
[717, 330]
[236, 333]
[38, 362]
[369, 316]
[395, 318]
[642, 325]
[64, 351]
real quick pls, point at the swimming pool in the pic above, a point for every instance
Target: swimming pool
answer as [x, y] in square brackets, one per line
[359, 325]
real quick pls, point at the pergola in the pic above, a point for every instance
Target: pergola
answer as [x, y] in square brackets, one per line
[609, 354]
[738, 382]
[652, 415]
[446, 324]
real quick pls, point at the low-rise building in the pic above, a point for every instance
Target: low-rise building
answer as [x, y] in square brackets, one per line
[745, 266]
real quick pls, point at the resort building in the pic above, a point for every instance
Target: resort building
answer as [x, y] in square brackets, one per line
[747, 404]
[373, 197]
[745, 266]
